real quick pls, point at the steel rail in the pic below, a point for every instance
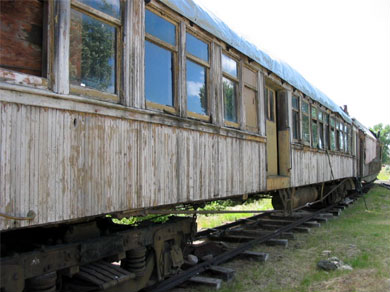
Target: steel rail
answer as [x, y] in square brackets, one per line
[187, 274]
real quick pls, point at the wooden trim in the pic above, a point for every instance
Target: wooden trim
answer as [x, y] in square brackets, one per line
[126, 89]
[256, 138]
[138, 54]
[198, 116]
[18, 78]
[61, 47]
[228, 76]
[30, 96]
[260, 104]
[197, 60]
[160, 43]
[90, 11]
[241, 114]
[94, 93]
[164, 108]
[216, 84]
[232, 124]
[249, 86]
[182, 76]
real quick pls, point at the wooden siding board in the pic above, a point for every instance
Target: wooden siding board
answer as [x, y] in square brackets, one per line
[74, 165]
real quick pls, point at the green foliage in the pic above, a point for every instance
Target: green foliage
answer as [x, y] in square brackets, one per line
[384, 137]
[137, 220]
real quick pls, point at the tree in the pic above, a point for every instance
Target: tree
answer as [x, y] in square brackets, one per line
[384, 137]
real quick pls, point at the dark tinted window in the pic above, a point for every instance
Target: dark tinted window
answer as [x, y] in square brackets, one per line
[160, 28]
[158, 74]
[196, 88]
[196, 47]
[92, 53]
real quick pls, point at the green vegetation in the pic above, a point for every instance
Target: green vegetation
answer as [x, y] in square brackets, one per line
[385, 173]
[359, 237]
[209, 221]
[384, 137]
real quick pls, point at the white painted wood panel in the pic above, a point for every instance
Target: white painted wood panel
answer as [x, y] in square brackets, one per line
[67, 165]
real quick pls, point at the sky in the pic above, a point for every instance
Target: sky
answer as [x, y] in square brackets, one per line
[342, 47]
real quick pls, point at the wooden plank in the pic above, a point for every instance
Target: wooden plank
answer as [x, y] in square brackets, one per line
[213, 282]
[61, 56]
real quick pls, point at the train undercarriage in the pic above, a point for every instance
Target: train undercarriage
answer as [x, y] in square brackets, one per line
[100, 255]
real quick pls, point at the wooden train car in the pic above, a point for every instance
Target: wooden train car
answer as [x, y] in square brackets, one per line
[115, 107]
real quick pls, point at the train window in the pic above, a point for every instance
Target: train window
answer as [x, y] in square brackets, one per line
[305, 122]
[197, 67]
[250, 99]
[314, 127]
[270, 103]
[197, 48]
[110, 7]
[295, 117]
[341, 137]
[22, 37]
[320, 129]
[332, 134]
[326, 130]
[93, 61]
[230, 85]
[160, 61]
[338, 135]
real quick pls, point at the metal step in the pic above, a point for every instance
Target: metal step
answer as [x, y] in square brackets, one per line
[104, 275]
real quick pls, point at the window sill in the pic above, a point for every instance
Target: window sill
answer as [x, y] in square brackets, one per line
[93, 93]
[232, 124]
[161, 107]
[17, 78]
[198, 116]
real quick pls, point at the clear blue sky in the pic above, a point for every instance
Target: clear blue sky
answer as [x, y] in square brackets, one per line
[341, 46]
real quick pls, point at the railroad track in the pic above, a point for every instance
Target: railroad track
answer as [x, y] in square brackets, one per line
[215, 246]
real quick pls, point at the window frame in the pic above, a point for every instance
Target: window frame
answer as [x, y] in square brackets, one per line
[198, 61]
[298, 111]
[255, 89]
[41, 82]
[321, 124]
[332, 129]
[174, 109]
[118, 24]
[326, 130]
[313, 120]
[308, 115]
[235, 80]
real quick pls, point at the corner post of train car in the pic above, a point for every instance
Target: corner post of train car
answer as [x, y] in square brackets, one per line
[181, 82]
[216, 93]
[60, 78]
[260, 104]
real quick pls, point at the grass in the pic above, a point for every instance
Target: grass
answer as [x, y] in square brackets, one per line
[385, 173]
[359, 237]
[210, 221]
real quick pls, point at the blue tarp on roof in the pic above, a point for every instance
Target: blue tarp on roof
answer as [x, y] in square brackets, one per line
[209, 22]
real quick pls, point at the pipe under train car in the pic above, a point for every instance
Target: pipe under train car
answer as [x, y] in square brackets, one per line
[117, 107]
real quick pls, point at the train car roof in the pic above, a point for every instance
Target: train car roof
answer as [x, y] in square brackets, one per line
[364, 129]
[209, 22]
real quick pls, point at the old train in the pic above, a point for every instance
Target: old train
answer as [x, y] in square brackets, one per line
[117, 107]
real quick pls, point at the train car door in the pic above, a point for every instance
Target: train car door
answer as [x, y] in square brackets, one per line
[272, 133]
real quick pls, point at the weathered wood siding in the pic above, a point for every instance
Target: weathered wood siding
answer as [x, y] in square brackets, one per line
[309, 167]
[65, 164]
